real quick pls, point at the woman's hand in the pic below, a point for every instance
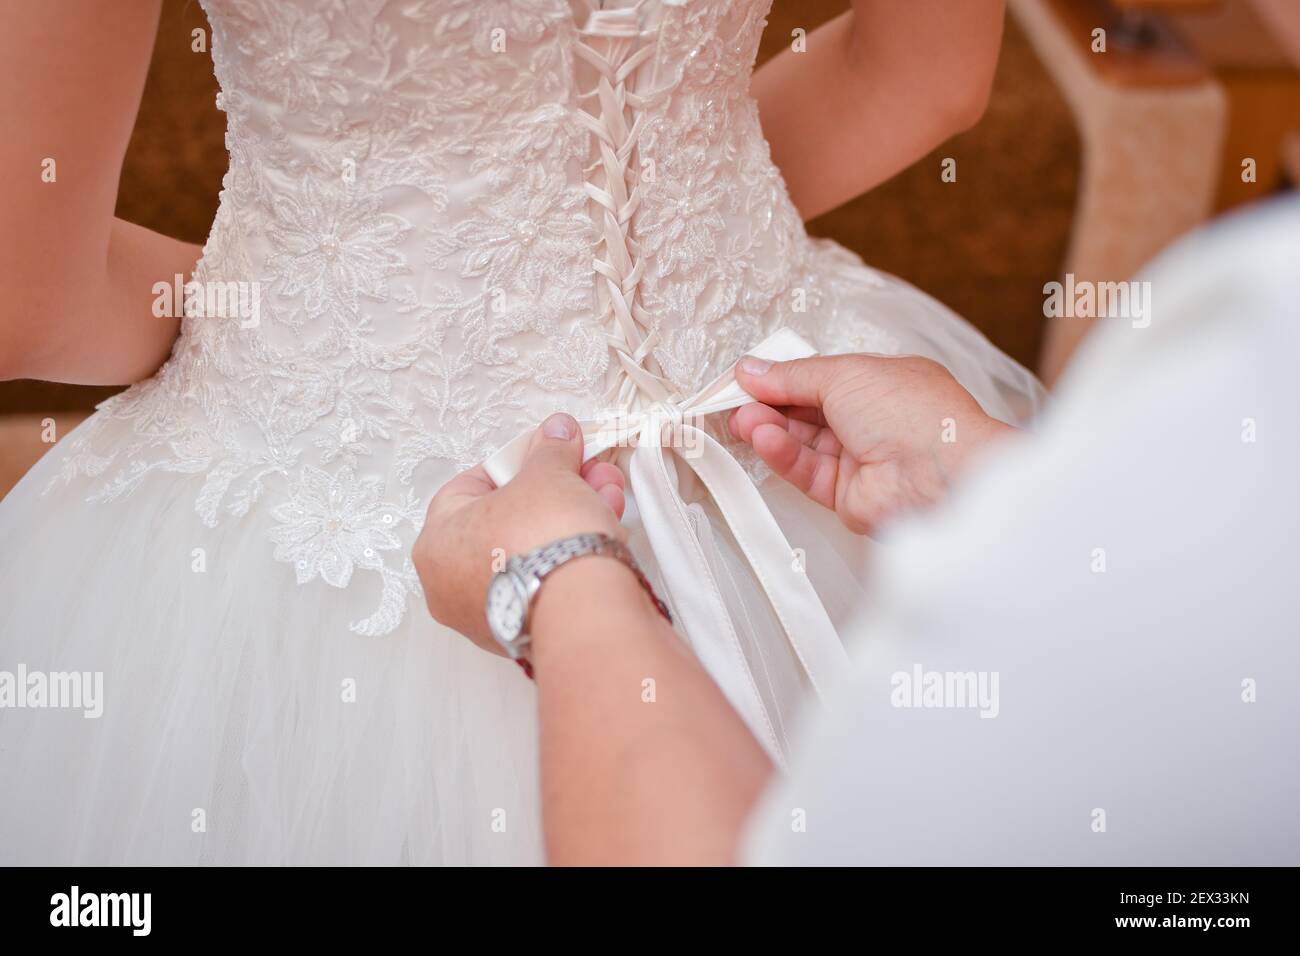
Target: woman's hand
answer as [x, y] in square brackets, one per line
[472, 526]
[865, 435]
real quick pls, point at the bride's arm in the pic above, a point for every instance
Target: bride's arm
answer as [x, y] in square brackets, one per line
[877, 89]
[75, 283]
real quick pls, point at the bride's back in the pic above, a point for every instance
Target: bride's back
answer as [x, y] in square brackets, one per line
[420, 193]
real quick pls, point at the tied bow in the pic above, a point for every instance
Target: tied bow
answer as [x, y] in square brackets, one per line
[691, 584]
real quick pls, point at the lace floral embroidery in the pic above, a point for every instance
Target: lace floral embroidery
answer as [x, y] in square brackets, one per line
[407, 187]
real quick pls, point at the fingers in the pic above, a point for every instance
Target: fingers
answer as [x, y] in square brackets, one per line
[812, 472]
[814, 415]
[745, 419]
[814, 433]
[607, 480]
[598, 473]
[798, 382]
[613, 496]
[473, 483]
[555, 446]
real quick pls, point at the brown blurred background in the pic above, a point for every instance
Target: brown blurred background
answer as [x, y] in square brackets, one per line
[1086, 163]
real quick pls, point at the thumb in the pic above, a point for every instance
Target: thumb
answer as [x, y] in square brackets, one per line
[805, 382]
[555, 446]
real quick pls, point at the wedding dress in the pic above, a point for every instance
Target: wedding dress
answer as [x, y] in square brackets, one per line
[459, 216]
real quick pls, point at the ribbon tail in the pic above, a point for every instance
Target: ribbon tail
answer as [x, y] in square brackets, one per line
[693, 590]
[795, 602]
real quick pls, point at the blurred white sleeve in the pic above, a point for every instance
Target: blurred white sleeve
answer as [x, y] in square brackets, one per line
[1108, 611]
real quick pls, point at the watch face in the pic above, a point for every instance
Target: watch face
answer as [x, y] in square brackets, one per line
[507, 606]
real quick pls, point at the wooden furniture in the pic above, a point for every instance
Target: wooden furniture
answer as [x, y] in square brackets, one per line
[1189, 112]
[1262, 87]
[1152, 119]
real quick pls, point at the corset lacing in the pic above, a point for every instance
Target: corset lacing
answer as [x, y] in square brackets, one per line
[645, 407]
[635, 378]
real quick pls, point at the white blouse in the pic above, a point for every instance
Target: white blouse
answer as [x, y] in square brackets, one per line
[1091, 653]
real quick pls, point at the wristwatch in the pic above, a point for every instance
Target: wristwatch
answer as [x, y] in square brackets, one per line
[511, 592]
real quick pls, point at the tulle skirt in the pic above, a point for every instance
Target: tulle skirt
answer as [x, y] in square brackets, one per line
[242, 722]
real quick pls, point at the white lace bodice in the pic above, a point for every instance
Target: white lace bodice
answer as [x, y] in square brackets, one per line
[461, 215]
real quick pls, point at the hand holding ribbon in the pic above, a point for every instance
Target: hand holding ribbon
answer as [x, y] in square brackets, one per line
[690, 582]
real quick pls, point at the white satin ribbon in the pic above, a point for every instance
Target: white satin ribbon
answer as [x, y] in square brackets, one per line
[693, 590]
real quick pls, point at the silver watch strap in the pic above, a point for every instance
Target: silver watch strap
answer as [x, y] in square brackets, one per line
[542, 561]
